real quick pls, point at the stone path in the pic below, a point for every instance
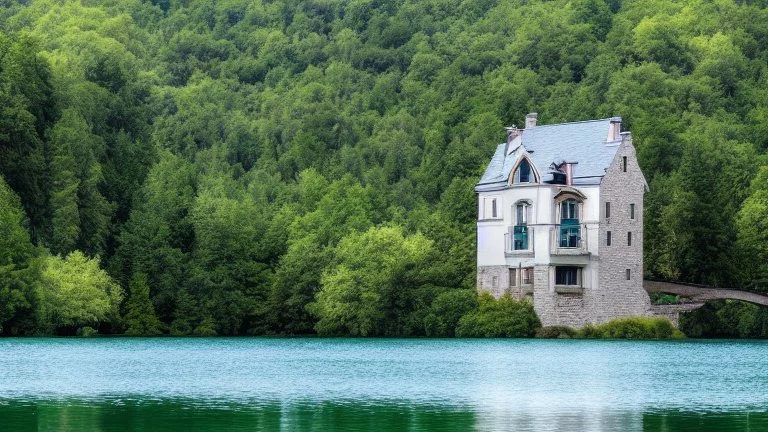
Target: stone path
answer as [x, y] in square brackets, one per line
[697, 294]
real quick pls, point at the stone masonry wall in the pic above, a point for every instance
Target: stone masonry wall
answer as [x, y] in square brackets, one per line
[620, 297]
[487, 275]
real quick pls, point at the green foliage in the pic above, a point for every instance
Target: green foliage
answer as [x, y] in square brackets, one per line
[503, 317]
[75, 292]
[557, 332]
[726, 319]
[140, 319]
[18, 270]
[87, 332]
[226, 150]
[664, 299]
[446, 311]
[632, 328]
[370, 288]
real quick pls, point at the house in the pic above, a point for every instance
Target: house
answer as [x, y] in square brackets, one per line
[560, 221]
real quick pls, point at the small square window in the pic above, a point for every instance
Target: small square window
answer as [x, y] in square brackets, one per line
[629, 238]
[527, 276]
[608, 238]
[631, 211]
[629, 274]
[566, 275]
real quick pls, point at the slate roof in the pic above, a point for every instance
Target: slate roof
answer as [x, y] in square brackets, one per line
[582, 142]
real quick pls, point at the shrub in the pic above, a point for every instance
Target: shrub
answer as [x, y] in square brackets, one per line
[632, 328]
[557, 332]
[87, 331]
[447, 310]
[664, 299]
[505, 317]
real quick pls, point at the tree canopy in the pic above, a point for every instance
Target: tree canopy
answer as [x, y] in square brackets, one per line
[230, 156]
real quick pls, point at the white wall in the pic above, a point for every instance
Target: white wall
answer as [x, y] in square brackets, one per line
[491, 241]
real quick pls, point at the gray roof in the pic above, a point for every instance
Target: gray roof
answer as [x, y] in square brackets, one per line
[581, 142]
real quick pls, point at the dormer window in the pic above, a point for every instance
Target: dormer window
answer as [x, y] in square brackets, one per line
[523, 173]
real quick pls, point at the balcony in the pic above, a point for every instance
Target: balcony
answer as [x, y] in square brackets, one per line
[519, 240]
[568, 238]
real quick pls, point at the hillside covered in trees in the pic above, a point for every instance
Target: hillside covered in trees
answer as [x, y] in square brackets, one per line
[243, 167]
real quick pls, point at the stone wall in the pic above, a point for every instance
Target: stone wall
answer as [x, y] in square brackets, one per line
[621, 297]
[493, 279]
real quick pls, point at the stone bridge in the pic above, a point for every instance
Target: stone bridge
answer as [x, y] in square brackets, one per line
[693, 297]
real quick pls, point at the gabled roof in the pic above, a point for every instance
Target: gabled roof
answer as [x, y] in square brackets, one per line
[583, 143]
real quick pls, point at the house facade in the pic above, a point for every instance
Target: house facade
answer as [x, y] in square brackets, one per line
[560, 221]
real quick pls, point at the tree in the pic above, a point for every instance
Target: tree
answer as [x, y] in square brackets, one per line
[141, 319]
[752, 224]
[74, 292]
[18, 270]
[368, 292]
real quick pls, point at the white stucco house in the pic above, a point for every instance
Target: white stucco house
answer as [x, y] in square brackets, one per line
[560, 221]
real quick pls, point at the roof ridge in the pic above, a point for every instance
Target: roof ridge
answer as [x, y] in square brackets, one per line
[569, 123]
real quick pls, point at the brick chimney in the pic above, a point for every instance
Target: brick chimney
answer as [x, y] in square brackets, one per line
[614, 129]
[530, 120]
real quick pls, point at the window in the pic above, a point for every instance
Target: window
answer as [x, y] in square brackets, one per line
[629, 274]
[495, 282]
[526, 277]
[624, 163]
[570, 232]
[522, 214]
[629, 238]
[512, 277]
[607, 210]
[523, 173]
[608, 238]
[493, 208]
[569, 209]
[520, 234]
[631, 211]
[566, 275]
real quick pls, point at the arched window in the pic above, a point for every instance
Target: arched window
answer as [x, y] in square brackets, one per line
[523, 173]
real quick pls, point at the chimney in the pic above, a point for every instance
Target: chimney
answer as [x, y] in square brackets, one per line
[512, 133]
[614, 129]
[530, 120]
[568, 174]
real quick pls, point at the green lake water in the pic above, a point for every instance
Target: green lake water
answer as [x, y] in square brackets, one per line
[253, 384]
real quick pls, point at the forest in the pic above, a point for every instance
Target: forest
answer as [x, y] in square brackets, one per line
[292, 167]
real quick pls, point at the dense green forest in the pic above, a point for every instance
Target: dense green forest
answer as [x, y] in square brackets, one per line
[244, 167]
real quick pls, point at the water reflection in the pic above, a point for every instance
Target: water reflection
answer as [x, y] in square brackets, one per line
[132, 414]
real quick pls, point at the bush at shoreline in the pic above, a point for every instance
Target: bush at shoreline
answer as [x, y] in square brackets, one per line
[623, 328]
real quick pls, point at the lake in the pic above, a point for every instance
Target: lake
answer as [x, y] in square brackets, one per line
[229, 384]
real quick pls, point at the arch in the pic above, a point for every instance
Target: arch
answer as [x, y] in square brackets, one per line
[522, 165]
[569, 193]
